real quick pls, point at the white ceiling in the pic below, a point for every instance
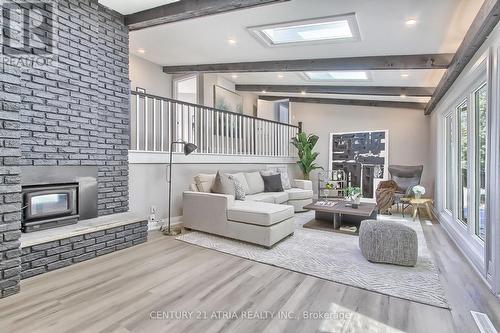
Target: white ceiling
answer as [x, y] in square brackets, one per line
[133, 6]
[440, 28]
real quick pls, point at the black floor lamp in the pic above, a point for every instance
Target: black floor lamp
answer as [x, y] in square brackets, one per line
[188, 149]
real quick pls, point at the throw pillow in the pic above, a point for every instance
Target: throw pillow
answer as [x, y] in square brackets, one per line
[243, 181]
[239, 191]
[223, 184]
[255, 182]
[204, 182]
[272, 183]
[283, 172]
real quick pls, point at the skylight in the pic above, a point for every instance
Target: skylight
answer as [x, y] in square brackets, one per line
[335, 28]
[337, 76]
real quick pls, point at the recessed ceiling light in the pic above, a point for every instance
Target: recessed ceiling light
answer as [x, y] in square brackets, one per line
[411, 22]
[263, 91]
[234, 76]
[280, 76]
[333, 28]
[403, 95]
[303, 92]
[404, 75]
[337, 76]
[141, 51]
[231, 41]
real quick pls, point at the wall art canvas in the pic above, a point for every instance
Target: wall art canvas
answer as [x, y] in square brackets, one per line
[227, 100]
[363, 156]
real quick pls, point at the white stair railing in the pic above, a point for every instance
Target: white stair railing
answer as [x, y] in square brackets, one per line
[157, 121]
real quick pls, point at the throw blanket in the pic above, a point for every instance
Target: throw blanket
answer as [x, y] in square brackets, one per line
[385, 195]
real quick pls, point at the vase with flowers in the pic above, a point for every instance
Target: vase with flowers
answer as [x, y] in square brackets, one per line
[419, 191]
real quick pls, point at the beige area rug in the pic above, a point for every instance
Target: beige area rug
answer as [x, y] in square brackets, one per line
[336, 257]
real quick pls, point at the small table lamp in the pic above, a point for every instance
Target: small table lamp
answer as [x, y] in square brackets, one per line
[188, 149]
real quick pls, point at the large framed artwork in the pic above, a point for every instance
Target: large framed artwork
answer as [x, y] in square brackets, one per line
[227, 100]
[363, 156]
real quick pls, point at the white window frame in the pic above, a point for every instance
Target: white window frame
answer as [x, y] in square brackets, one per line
[464, 233]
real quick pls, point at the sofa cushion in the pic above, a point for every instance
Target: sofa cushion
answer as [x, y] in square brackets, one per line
[223, 184]
[255, 182]
[271, 197]
[240, 177]
[299, 194]
[259, 213]
[204, 182]
[261, 197]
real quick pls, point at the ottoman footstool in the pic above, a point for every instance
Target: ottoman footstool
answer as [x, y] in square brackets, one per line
[388, 242]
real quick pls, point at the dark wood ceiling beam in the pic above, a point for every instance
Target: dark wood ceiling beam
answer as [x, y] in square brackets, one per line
[416, 61]
[348, 90]
[188, 9]
[353, 102]
[484, 22]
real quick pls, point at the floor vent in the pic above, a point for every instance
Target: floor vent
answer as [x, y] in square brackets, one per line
[483, 322]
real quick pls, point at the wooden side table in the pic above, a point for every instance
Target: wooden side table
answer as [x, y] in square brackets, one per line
[416, 203]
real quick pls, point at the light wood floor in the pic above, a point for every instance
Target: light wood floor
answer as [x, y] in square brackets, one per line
[119, 292]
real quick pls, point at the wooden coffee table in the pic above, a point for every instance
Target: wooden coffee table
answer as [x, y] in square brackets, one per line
[341, 213]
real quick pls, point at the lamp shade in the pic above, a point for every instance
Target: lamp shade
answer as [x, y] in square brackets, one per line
[189, 148]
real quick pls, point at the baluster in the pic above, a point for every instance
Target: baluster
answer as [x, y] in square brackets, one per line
[154, 123]
[137, 121]
[227, 133]
[146, 123]
[244, 137]
[162, 125]
[240, 135]
[170, 124]
[207, 118]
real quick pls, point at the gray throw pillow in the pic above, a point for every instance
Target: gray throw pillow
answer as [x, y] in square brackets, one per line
[285, 180]
[239, 189]
[272, 183]
[223, 184]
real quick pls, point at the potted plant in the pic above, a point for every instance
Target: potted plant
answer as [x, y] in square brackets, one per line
[418, 191]
[305, 145]
[354, 194]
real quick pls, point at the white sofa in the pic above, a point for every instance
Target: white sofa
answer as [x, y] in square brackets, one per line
[263, 218]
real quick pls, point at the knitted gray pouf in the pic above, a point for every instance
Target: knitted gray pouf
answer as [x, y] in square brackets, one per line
[388, 242]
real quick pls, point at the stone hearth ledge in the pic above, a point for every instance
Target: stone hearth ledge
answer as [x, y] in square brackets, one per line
[81, 228]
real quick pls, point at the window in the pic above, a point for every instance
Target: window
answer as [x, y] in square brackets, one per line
[337, 76]
[481, 129]
[465, 162]
[450, 186]
[333, 28]
[463, 154]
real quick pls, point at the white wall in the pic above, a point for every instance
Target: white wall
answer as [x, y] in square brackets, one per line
[150, 76]
[408, 131]
[249, 102]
